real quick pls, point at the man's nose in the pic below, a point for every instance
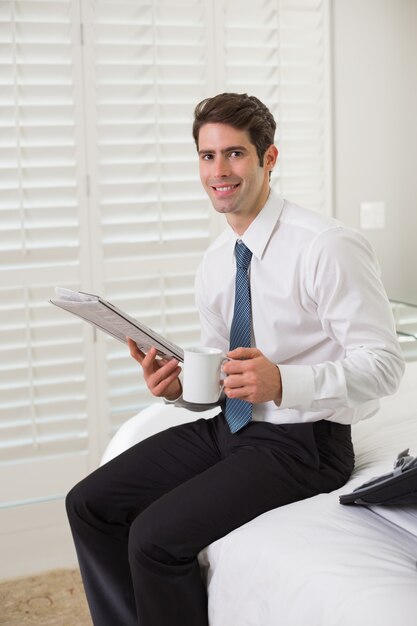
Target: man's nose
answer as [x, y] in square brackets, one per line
[221, 167]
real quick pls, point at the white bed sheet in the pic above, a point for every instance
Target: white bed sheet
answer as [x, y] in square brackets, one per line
[315, 565]
[319, 563]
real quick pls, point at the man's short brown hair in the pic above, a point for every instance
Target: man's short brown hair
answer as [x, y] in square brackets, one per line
[242, 112]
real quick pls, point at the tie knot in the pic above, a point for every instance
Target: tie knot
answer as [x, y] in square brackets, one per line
[243, 255]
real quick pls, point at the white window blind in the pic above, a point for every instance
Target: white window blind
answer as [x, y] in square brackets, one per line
[148, 69]
[276, 50]
[99, 190]
[43, 388]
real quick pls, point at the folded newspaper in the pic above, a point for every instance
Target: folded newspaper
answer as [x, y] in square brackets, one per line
[114, 322]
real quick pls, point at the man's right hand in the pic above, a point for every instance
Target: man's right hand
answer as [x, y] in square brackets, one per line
[161, 375]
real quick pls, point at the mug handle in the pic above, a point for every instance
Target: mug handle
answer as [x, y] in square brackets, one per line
[222, 377]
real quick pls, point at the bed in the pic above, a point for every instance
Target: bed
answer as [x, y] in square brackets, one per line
[315, 562]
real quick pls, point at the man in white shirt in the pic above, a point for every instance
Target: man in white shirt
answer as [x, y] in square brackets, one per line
[322, 351]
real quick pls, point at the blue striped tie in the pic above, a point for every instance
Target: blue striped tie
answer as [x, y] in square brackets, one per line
[239, 412]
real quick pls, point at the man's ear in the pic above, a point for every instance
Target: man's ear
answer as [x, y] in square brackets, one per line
[271, 157]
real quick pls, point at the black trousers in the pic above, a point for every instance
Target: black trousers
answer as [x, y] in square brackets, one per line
[140, 520]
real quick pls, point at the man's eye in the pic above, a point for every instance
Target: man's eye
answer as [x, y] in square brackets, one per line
[207, 157]
[235, 153]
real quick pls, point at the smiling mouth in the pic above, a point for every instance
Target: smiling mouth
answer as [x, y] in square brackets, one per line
[225, 188]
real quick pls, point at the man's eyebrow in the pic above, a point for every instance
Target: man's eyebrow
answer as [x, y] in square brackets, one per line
[228, 149]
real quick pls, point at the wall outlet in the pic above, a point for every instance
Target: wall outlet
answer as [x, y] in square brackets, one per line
[372, 215]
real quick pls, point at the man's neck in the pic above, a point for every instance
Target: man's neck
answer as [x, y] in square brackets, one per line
[240, 223]
[239, 226]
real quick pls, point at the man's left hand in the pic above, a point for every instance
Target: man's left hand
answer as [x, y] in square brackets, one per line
[252, 377]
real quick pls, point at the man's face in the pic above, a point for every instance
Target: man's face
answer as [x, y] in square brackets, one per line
[230, 172]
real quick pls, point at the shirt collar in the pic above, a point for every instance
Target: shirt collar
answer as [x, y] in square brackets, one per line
[258, 234]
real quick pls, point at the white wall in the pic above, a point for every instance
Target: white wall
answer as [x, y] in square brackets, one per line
[375, 128]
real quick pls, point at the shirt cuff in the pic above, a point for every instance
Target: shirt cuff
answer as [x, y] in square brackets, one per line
[297, 386]
[173, 401]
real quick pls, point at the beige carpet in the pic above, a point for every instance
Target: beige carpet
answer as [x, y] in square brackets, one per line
[52, 599]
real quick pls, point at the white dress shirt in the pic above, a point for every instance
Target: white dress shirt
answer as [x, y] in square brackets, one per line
[319, 311]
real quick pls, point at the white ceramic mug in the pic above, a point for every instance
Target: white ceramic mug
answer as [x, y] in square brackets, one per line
[202, 374]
